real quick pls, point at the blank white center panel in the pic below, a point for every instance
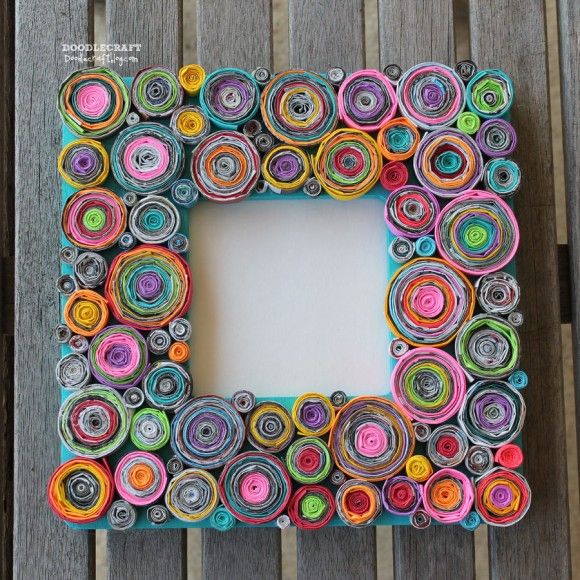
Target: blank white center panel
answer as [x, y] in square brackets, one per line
[288, 297]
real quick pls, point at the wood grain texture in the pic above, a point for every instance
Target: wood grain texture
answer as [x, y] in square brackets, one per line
[44, 547]
[511, 35]
[564, 267]
[151, 554]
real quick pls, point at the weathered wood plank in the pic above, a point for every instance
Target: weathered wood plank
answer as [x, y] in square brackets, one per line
[564, 267]
[43, 546]
[229, 34]
[157, 28]
[511, 35]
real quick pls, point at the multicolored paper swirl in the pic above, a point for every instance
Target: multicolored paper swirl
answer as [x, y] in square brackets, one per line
[156, 92]
[411, 211]
[308, 460]
[154, 220]
[140, 478]
[490, 93]
[358, 503]
[313, 414]
[398, 139]
[448, 496]
[167, 385]
[401, 495]
[286, 168]
[447, 446]
[311, 507]
[84, 163]
[496, 138]
[270, 427]
[192, 495]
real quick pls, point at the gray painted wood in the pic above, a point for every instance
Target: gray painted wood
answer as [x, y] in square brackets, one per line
[409, 34]
[511, 35]
[229, 34]
[44, 547]
[151, 554]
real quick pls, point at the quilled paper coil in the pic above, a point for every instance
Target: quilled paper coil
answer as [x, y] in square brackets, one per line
[93, 102]
[229, 97]
[255, 487]
[133, 397]
[308, 460]
[422, 431]
[154, 219]
[371, 439]
[80, 491]
[488, 347]
[180, 329]
[448, 496]
[477, 232]
[471, 521]
[118, 356]
[502, 497]
[78, 343]
[66, 284]
[94, 219]
[398, 348]
[358, 503]
[313, 414]
[167, 385]
[479, 459]
[448, 162]
[207, 432]
[427, 301]
[269, 427]
[418, 468]
[411, 211]
[401, 249]
[184, 194]
[502, 177]
[286, 168]
[222, 520]
[148, 286]
[86, 312]
[90, 269]
[311, 507]
[72, 371]
[420, 520]
[496, 138]
[492, 414]
[140, 478]
[468, 122]
[509, 455]
[490, 93]
[190, 124]
[498, 293]
[84, 163]
[225, 166]
[192, 495]
[93, 422]
[428, 384]
[348, 164]
[191, 78]
[243, 401]
[425, 246]
[447, 446]
[178, 352]
[299, 107]
[158, 341]
[401, 495]
[366, 100]
[518, 379]
[121, 515]
[157, 515]
[150, 429]
[147, 158]
[431, 95]
[398, 139]
[394, 175]
[156, 92]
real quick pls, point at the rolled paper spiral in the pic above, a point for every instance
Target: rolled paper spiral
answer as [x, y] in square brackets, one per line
[358, 503]
[84, 163]
[420, 520]
[490, 93]
[471, 521]
[313, 414]
[229, 97]
[192, 495]
[371, 439]
[366, 100]
[178, 352]
[93, 422]
[255, 487]
[207, 432]
[191, 78]
[127, 241]
[515, 318]
[425, 246]
[94, 219]
[269, 427]
[498, 293]
[337, 477]
[283, 521]
[448, 162]
[156, 92]
[190, 124]
[477, 232]
[510, 456]
[479, 459]
[422, 432]
[184, 194]
[348, 164]
[222, 520]
[418, 468]
[401, 495]
[72, 371]
[243, 401]
[496, 138]
[492, 414]
[398, 139]
[134, 397]
[308, 460]
[80, 491]
[502, 177]
[174, 465]
[447, 446]
[488, 347]
[394, 175]
[147, 158]
[78, 343]
[398, 348]
[118, 356]
[158, 341]
[286, 168]
[502, 497]
[338, 399]
[148, 286]
[167, 385]
[150, 429]
[427, 301]
[431, 95]
[86, 312]
[448, 496]
[90, 269]
[154, 219]
[401, 249]
[140, 478]
[121, 515]
[68, 254]
[180, 329]
[411, 211]
[93, 102]
[66, 284]
[299, 107]
[157, 515]
[225, 166]
[428, 384]
[468, 122]
[311, 507]
[518, 379]
[178, 243]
